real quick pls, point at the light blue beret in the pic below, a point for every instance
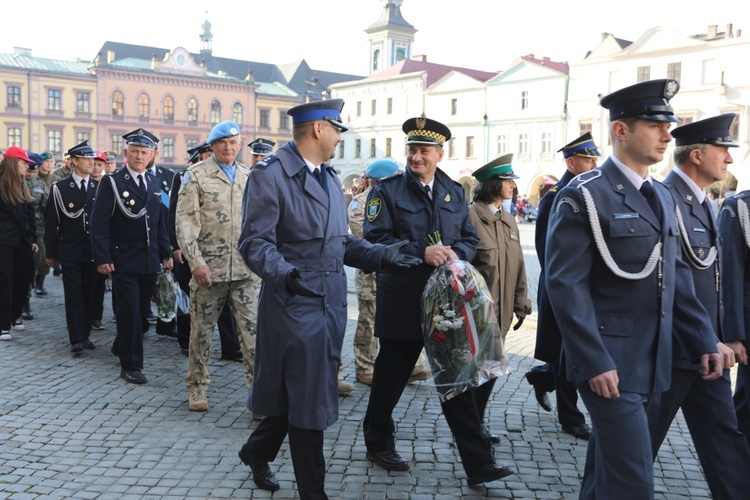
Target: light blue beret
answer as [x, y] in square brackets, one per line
[222, 130]
[381, 168]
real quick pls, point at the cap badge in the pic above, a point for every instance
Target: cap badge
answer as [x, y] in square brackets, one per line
[140, 132]
[233, 131]
[421, 122]
[670, 89]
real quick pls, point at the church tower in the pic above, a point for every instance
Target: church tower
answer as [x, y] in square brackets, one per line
[391, 37]
[206, 39]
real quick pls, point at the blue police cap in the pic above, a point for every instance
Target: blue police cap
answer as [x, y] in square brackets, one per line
[713, 130]
[423, 130]
[261, 146]
[328, 110]
[82, 150]
[499, 168]
[583, 146]
[141, 137]
[223, 130]
[648, 100]
[36, 160]
[380, 169]
[196, 152]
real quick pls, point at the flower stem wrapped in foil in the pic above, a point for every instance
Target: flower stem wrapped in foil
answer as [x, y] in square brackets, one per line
[461, 334]
[169, 297]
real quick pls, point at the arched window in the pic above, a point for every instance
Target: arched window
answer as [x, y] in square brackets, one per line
[192, 111]
[118, 104]
[215, 112]
[168, 111]
[237, 113]
[376, 60]
[400, 54]
[144, 105]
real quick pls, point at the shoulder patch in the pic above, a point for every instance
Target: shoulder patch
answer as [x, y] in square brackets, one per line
[373, 208]
[353, 205]
[567, 201]
[265, 162]
[185, 178]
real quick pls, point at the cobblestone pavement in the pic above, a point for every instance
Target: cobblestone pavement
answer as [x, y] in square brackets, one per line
[70, 427]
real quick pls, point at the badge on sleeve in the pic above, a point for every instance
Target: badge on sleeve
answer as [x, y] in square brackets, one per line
[186, 178]
[373, 209]
[353, 205]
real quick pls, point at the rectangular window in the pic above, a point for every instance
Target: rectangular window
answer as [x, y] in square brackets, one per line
[469, 146]
[358, 148]
[168, 148]
[390, 105]
[502, 144]
[388, 147]
[674, 71]
[454, 106]
[191, 143]
[644, 73]
[14, 136]
[373, 107]
[683, 120]
[373, 148]
[83, 102]
[523, 144]
[546, 142]
[118, 144]
[265, 118]
[54, 141]
[82, 136]
[54, 100]
[524, 99]
[14, 98]
[452, 147]
[584, 127]
[341, 149]
[359, 108]
[283, 120]
[734, 129]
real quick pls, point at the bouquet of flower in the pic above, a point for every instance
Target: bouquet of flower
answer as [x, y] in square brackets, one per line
[169, 297]
[461, 334]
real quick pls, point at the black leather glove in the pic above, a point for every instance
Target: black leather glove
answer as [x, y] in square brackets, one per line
[394, 259]
[297, 286]
[519, 322]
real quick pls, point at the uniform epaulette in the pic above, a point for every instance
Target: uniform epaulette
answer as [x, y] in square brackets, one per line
[741, 195]
[391, 177]
[553, 189]
[582, 179]
[265, 162]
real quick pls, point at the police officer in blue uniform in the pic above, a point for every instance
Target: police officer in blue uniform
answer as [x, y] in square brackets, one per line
[411, 207]
[618, 287]
[230, 342]
[701, 158]
[580, 157]
[67, 223]
[295, 237]
[260, 148]
[130, 240]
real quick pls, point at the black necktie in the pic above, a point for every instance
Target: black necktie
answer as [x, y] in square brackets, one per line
[318, 175]
[142, 185]
[708, 210]
[647, 190]
[83, 185]
[427, 191]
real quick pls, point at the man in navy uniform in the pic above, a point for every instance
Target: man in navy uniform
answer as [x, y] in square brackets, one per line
[295, 237]
[130, 240]
[68, 242]
[260, 148]
[701, 158]
[618, 286]
[411, 207]
[580, 156]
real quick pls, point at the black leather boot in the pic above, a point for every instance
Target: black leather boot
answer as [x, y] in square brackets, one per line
[27, 310]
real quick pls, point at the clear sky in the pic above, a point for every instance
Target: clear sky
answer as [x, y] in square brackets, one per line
[329, 34]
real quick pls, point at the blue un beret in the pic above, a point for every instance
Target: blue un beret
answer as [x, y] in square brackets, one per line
[648, 100]
[380, 169]
[583, 146]
[141, 137]
[713, 130]
[328, 110]
[82, 150]
[222, 130]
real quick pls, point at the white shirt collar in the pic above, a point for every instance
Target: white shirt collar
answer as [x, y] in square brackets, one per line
[78, 180]
[493, 208]
[700, 194]
[135, 174]
[310, 165]
[630, 174]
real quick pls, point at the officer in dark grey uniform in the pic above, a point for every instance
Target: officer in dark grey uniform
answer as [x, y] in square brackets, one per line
[701, 158]
[619, 299]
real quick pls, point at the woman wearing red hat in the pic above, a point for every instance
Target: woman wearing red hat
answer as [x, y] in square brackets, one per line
[18, 243]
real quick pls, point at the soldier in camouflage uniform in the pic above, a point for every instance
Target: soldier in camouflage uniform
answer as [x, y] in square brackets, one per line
[209, 219]
[365, 344]
[39, 193]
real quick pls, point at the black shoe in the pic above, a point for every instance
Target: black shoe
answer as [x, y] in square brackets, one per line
[87, 344]
[262, 475]
[541, 395]
[40, 291]
[77, 347]
[388, 460]
[170, 333]
[97, 325]
[134, 377]
[185, 351]
[57, 271]
[27, 315]
[232, 356]
[494, 438]
[581, 431]
[488, 473]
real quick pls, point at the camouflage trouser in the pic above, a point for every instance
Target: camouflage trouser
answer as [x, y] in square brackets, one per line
[365, 343]
[40, 260]
[205, 307]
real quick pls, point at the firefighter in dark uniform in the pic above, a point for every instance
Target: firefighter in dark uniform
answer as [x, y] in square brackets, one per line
[260, 148]
[413, 206]
[701, 158]
[130, 240]
[68, 243]
[580, 156]
[230, 343]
